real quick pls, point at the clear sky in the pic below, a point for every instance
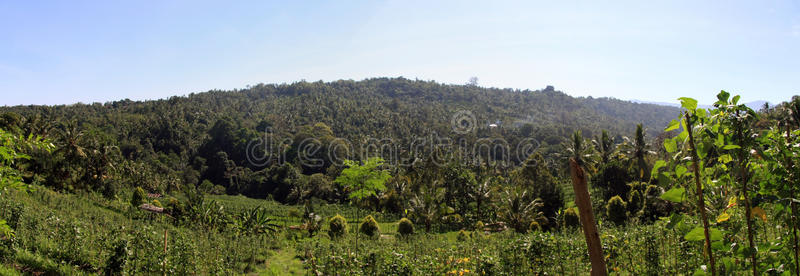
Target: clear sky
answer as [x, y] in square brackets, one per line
[63, 52]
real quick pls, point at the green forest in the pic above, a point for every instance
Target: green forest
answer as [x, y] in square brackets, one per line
[393, 176]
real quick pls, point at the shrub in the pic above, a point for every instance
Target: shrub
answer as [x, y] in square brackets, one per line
[570, 218]
[635, 202]
[337, 227]
[534, 227]
[206, 186]
[218, 190]
[405, 227]
[652, 191]
[479, 226]
[138, 197]
[175, 208]
[616, 210]
[157, 203]
[369, 227]
[462, 235]
[654, 206]
[116, 262]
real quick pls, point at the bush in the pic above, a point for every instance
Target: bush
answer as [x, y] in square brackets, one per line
[337, 227]
[218, 190]
[405, 227]
[534, 227]
[206, 186]
[369, 227]
[138, 197]
[635, 202]
[654, 206]
[570, 218]
[116, 262]
[157, 203]
[462, 235]
[617, 210]
[479, 226]
[652, 191]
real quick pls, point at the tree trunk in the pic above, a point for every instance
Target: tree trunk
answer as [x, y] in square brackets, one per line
[584, 204]
[701, 205]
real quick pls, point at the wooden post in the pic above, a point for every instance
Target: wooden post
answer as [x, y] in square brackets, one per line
[164, 264]
[584, 204]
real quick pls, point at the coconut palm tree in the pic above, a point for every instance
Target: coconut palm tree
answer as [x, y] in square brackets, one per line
[427, 205]
[581, 150]
[605, 146]
[518, 210]
[481, 193]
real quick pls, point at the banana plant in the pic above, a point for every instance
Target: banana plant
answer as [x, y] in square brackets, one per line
[255, 221]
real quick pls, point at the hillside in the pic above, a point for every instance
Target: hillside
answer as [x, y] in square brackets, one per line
[154, 175]
[179, 140]
[380, 107]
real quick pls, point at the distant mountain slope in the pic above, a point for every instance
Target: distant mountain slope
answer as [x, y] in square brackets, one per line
[378, 107]
[206, 140]
[755, 105]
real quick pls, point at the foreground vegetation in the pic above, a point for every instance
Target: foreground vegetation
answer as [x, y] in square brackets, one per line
[714, 194]
[88, 234]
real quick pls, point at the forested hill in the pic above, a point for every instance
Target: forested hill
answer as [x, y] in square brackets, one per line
[202, 136]
[380, 107]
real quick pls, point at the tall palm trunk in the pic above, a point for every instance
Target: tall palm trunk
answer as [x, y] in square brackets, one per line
[584, 203]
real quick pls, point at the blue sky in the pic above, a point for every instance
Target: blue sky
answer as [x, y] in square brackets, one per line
[63, 52]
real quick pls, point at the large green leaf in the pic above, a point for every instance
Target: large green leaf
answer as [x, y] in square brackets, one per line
[723, 96]
[674, 220]
[680, 170]
[697, 234]
[725, 158]
[670, 145]
[730, 147]
[682, 136]
[673, 125]
[675, 194]
[659, 164]
[688, 103]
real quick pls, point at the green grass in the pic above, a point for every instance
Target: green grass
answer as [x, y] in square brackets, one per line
[8, 270]
[68, 234]
[283, 262]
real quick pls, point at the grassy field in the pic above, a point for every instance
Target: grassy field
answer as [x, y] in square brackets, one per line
[68, 234]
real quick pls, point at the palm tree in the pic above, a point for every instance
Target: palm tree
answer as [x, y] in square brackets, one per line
[256, 221]
[637, 152]
[518, 211]
[640, 147]
[426, 206]
[481, 193]
[580, 150]
[73, 153]
[605, 146]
